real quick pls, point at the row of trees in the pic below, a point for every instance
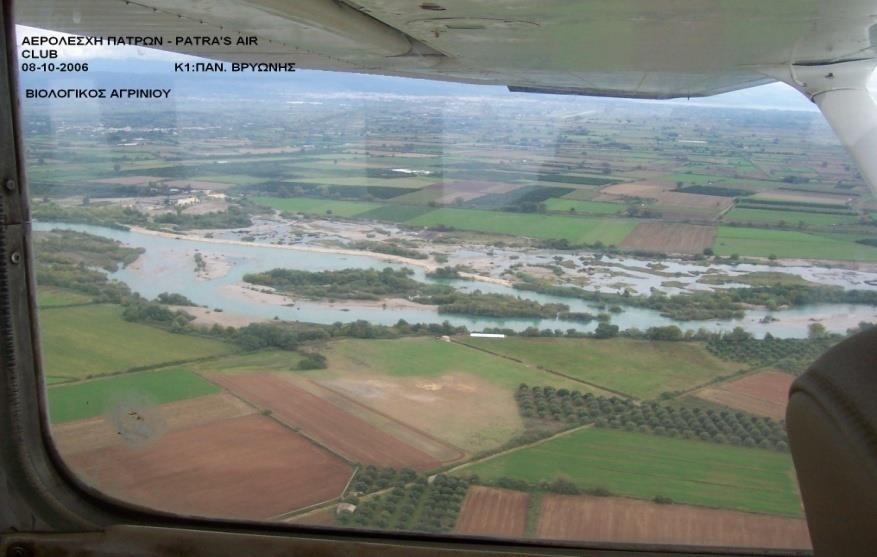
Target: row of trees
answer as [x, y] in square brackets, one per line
[790, 354]
[723, 426]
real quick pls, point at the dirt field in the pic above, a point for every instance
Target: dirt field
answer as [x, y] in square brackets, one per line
[350, 436]
[708, 205]
[765, 393]
[409, 435]
[468, 190]
[95, 433]
[490, 511]
[672, 238]
[670, 203]
[247, 467]
[616, 519]
[460, 408]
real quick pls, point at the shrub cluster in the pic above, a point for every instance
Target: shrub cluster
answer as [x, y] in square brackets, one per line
[372, 478]
[722, 426]
[562, 486]
[421, 507]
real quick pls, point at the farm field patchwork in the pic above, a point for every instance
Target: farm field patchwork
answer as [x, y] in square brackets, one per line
[81, 341]
[573, 229]
[331, 425]
[438, 387]
[646, 466]
[642, 369]
[618, 519]
[585, 207]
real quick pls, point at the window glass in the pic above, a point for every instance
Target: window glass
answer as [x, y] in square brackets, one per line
[386, 303]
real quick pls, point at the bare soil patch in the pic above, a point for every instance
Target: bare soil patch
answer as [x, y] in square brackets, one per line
[459, 408]
[409, 435]
[617, 519]
[670, 237]
[765, 393]
[248, 467]
[491, 511]
[319, 419]
[470, 189]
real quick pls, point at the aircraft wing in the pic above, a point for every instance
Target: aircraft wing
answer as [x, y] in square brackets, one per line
[654, 49]
[626, 48]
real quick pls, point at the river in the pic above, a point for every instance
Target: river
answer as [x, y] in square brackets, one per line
[168, 266]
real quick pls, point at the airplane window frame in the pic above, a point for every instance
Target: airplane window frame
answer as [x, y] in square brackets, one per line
[58, 500]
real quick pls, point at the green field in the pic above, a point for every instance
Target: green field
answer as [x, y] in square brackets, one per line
[762, 242]
[93, 398]
[322, 177]
[428, 357]
[395, 213]
[639, 368]
[253, 362]
[645, 466]
[576, 230]
[592, 207]
[762, 216]
[80, 341]
[50, 296]
[316, 206]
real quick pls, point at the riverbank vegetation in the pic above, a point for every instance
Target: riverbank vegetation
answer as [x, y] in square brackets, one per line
[371, 284]
[729, 303]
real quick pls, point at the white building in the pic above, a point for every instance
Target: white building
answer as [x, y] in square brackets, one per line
[186, 201]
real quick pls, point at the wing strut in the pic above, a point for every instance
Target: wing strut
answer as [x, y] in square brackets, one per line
[840, 91]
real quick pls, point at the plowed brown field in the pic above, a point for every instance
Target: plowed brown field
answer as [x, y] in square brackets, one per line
[490, 511]
[332, 426]
[616, 519]
[765, 393]
[670, 237]
[246, 467]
